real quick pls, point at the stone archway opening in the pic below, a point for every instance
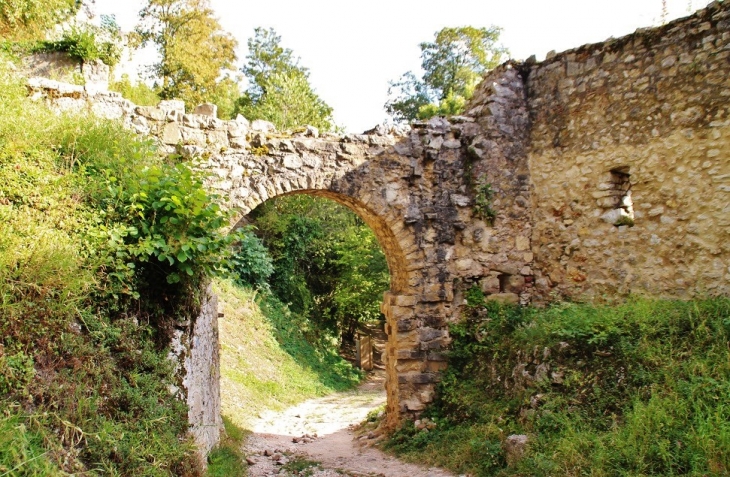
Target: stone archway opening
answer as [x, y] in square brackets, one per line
[386, 244]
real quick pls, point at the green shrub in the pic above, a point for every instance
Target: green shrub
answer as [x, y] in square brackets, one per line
[89, 43]
[86, 361]
[632, 389]
[251, 260]
[138, 93]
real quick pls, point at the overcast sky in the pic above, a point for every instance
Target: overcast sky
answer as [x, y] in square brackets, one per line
[353, 49]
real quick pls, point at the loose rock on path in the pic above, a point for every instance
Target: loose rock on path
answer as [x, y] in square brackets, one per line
[323, 431]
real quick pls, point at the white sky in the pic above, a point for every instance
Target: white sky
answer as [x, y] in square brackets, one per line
[353, 49]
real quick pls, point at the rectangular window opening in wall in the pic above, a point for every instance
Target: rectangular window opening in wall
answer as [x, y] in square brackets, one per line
[615, 197]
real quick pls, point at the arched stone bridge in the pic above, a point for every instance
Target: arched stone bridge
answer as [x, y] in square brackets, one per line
[414, 187]
[606, 167]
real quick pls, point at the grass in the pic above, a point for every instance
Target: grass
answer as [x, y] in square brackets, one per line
[639, 389]
[301, 466]
[227, 459]
[267, 360]
[84, 377]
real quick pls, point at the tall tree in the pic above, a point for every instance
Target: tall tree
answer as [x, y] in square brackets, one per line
[278, 87]
[26, 19]
[453, 64]
[193, 47]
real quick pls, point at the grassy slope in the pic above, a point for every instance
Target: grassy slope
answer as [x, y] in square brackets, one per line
[643, 390]
[84, 387]
[268, 360]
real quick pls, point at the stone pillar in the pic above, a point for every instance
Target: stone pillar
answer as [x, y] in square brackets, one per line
[391, 361]
[202, 377]
[416, 336]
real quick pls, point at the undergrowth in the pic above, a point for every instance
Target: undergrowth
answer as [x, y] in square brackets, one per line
[227, 459]
[103, 247]
[639, 389]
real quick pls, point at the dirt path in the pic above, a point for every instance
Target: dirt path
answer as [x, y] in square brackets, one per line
[324, 431]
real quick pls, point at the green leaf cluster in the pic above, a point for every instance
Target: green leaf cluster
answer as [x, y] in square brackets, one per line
[139, 92]
[31, 19]
[453, 64]
[89, 43]
[102, 246]
[278, 87]
[194, 49]
[327, 263]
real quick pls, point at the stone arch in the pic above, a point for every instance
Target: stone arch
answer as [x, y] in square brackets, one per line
[359, 190]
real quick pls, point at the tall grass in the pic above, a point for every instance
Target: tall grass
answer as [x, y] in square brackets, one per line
[84, 382]
[635, 389]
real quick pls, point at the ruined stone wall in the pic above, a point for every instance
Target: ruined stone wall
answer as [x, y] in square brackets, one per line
[195, 350]
[416, 187]
[649, 114]
[599, 172]
[202, 376]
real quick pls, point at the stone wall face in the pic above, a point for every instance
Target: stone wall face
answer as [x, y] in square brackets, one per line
[202, 377]
[649, 110]
[195, 349]
[413, 186]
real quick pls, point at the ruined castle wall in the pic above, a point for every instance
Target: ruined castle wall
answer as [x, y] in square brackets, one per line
[647, 113]
[194, 348]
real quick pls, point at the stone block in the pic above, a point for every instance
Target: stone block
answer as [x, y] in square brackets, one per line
[407, 325]
[403, 300]
[292, 161]
[152, 113]
[171, 134]
[429, 334]
[504, 298]
[238, 142]
[401, 312]
[515, 284]
[194, 137]
[522, 243]
[217, 139]
[206, 109]
[489, 285]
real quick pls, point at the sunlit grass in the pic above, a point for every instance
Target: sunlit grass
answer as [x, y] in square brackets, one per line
[260, 372]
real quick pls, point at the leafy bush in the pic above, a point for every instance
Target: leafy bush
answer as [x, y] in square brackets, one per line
[89, 43]
[86, 383]
[138, 93]
[30, 19]
[251, 260]
[328, 265]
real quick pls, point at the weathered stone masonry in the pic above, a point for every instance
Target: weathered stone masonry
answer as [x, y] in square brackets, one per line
[654, 104]
[576, 150]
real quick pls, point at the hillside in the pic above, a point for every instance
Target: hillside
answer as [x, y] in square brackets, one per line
[93, 287]
[635, 389]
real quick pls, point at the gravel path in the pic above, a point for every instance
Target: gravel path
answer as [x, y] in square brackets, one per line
[322, 431]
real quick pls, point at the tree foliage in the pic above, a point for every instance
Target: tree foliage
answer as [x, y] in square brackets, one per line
[453, 64]
[30, 19]
[328, 264]
[192, 45]
[279, 89]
